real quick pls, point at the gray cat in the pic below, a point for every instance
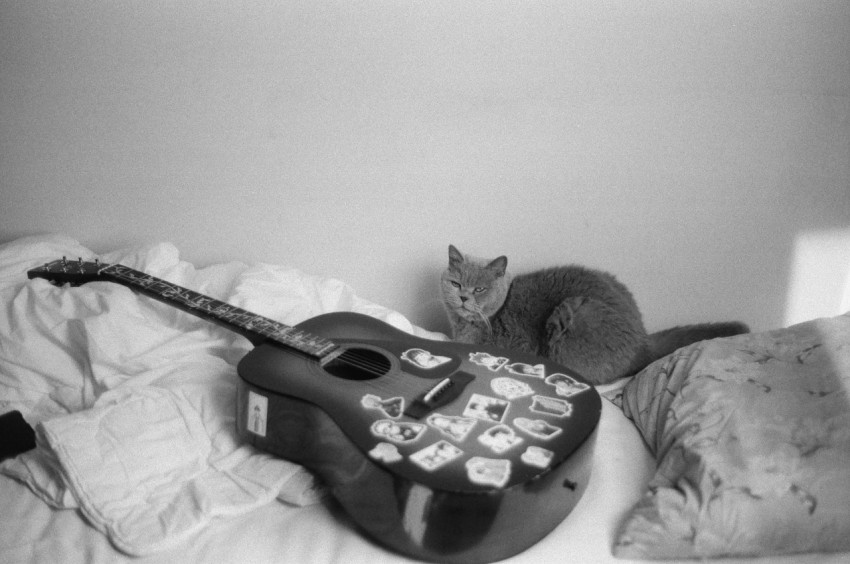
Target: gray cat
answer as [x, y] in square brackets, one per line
[584, 319]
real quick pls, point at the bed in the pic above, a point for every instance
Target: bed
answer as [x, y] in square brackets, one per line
[736, 448]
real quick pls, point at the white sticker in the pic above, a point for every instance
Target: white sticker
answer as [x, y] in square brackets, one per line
[451, 426]
[432, 457]
[258, 410]
[396, 431]
[551, 406]
[488, 471]
[537, 428]
[486, 408]
[423, 358]
[392, 407]
[385, 452]
[566, 386]
[510, 388]
[537, 456]
[499, 438]
[487, 360]
[523, 369]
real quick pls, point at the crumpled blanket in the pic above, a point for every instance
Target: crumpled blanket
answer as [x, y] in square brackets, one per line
[133, 401]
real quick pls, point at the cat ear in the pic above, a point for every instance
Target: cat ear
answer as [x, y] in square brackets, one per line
[499, 265]
[455, 257]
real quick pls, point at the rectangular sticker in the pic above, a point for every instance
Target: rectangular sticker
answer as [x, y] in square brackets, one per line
[258, 407]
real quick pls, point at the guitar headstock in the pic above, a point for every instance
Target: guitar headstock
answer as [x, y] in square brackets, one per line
[73, 272]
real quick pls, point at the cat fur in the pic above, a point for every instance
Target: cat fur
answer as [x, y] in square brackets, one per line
[582, 318]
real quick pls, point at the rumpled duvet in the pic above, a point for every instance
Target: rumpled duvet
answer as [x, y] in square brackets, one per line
[133, 401]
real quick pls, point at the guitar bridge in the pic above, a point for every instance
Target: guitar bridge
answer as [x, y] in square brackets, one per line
[442, 393]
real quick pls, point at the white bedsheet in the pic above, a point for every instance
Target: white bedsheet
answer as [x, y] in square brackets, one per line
[133, 400]
[134, 406]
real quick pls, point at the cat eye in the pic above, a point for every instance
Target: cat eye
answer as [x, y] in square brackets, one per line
[479, 290]
[455, 284]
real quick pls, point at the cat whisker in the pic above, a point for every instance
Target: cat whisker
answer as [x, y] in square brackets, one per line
[484, 318]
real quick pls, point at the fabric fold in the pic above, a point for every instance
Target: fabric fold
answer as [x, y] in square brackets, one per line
[133, 401]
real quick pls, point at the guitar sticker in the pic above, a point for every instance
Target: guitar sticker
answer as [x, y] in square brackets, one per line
[486, 408]
[258, 407]
[537, 428]
[551, 406]
[397, 432]
[537, 456]
[423, 359]
[523, 369]
[488, 471]
[438, 454]
[392, 407]
[499, 438]
[385, 452]
[487, 360]
[452, 426]
[566, 386]
[510, 388]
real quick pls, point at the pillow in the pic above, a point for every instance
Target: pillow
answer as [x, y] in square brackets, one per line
[751, 436]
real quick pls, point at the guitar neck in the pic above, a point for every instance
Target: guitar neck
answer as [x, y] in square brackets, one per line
[255, 328]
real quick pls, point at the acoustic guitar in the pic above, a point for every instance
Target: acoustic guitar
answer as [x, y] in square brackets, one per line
[439, 450]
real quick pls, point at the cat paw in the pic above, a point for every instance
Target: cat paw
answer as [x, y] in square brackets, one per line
[556, 327]
[562, 318]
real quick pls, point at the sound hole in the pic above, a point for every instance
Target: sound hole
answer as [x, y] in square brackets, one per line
[359, 364]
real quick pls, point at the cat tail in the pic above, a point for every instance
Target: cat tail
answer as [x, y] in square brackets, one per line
[665, 342]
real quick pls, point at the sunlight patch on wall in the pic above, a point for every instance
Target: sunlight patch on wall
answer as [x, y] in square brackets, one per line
[820, 276]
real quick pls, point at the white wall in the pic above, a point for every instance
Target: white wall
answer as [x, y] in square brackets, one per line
[684, 146]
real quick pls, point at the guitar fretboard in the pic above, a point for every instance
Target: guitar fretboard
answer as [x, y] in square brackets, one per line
[256, 327]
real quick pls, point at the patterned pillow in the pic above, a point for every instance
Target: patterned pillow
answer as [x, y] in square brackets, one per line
[751, 436]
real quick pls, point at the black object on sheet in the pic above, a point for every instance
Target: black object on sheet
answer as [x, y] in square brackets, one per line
[16, 435]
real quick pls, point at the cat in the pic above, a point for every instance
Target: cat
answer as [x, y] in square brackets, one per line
[582, 318]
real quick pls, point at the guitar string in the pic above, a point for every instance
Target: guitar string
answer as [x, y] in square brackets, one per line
[366, 363]
[285, 334]
[363, 361]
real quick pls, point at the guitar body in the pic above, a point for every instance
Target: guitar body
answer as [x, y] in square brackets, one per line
[475, 479]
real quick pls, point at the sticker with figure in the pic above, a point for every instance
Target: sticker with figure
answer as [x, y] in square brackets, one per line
[487, 360]
[258, 409]
[486, 408]
[452, 426]
[551, 406]
[438, 454]
[523, 369]
[392, 407]
[499, 438]
[537, 428]
[386, 452]
[423, 358]
[537, 456]
[566, 386]
[397, 432]
[510, 388]
[488, 471]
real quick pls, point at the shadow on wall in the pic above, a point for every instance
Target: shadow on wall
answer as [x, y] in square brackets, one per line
[820, 276]
[428, 311]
